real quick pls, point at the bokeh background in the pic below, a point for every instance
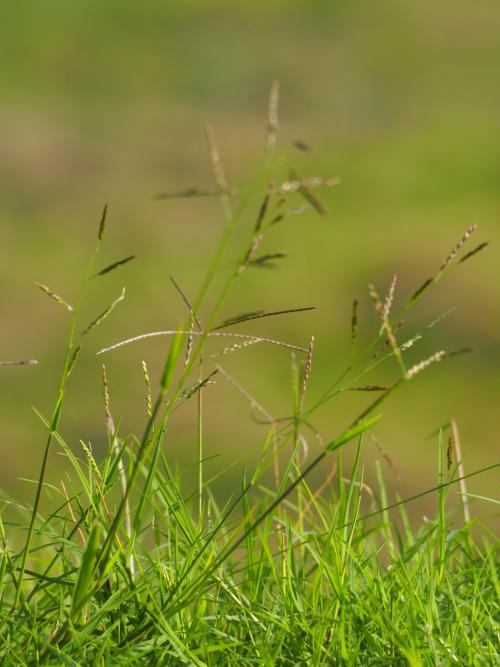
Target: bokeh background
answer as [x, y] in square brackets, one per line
[106, 102]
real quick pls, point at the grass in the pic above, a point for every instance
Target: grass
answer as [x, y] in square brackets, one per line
[137, 563]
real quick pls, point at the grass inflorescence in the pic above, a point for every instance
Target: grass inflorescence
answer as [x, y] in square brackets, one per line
[135, 566]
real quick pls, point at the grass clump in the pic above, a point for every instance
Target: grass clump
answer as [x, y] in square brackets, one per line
[136, 566]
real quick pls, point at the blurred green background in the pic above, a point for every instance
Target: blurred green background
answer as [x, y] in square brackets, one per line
[106, 102]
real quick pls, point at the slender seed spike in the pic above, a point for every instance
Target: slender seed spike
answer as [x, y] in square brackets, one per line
[418, 368]
[277, 218]
[88, 453]
[215, 159]
[260, 314]
[307, 368]
[425, 285]
[102, 224]
[369, 387]
[468, 233]
[387, 342]
[149, 399]
[264, 206]
[381, 310]
[375, 298]
[255, 244]
[115, 265]
[266, 261]
[311, 183]
[188, 193]
[107, 411]
[390, 296]
[189, 345]
[460, 351]
[234, 348]
[473, 252]
[250, 252]
[53, 296]
[301, 145]
[449, 453]
[73, 360]
[306, 191]
[354, 328]
[104, 314]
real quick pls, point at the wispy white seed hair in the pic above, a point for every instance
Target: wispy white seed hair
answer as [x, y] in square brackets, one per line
[411, 342]
[390, 296]
[235, 347]
[418, 368]
[311, 182]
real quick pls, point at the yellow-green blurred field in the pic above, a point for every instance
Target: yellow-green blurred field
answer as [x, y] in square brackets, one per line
[106, 102]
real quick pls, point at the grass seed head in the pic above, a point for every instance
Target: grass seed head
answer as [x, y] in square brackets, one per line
[468, 233]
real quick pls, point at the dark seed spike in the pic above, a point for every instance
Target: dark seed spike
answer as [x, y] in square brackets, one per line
[369, 387]
[115, 265]
[73, 360]
[264, 207]
[102, 224]
[354, 327]
[301, 145]
[460, 351]
[473, 252]
[265, 261]
[238, 319]
[421, 289]
[449, 453]
[187, 193]
[277, 218]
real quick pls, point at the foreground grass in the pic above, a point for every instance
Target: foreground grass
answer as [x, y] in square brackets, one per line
[136, 565]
